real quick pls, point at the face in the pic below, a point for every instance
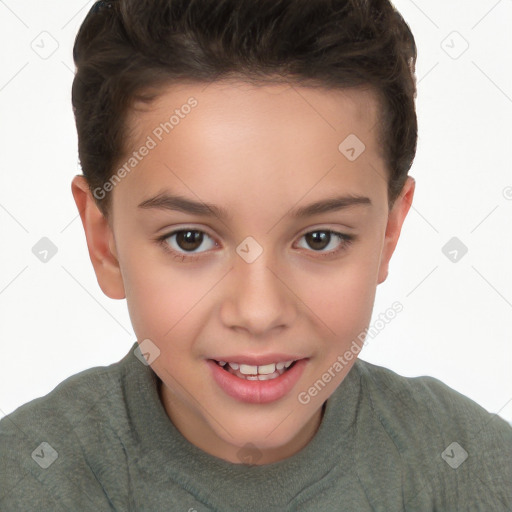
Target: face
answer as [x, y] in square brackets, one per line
[249, 275]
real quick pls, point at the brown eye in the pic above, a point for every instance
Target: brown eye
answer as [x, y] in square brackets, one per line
[189, 240]
[318, 240]
[184, 243]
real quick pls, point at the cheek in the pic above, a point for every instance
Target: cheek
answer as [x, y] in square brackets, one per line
[340, 302]
[346, 285]
[156, 299]
[164, 301]
[154, 295]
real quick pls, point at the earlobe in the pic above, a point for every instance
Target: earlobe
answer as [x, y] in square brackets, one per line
[395, 222]
[100, 240]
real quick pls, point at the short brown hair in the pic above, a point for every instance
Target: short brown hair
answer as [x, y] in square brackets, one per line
[131, 50]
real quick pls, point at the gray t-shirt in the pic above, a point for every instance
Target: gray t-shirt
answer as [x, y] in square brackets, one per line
[101, 440]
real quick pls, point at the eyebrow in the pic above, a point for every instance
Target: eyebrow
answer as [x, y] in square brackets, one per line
[165, 201]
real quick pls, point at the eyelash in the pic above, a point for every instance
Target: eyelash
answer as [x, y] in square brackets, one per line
[347, 240]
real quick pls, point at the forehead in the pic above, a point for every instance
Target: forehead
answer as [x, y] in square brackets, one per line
[231, 102]
[279, 141]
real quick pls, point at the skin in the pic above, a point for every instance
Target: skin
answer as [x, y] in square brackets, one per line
[257, 151]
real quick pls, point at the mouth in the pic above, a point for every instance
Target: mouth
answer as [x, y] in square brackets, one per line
[257, 384]
[252, 372]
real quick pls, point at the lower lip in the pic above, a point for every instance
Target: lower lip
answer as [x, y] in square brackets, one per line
[257, 391]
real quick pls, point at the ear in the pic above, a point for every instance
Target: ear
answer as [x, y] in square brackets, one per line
[396, 219]
[100, 240]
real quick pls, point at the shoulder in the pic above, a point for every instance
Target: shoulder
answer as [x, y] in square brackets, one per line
[427, 397]
[77, 396]
[53, 446]
[458, 443]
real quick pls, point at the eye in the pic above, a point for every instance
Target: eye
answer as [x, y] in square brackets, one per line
[321, 239]
[187, 240]
[183, 243]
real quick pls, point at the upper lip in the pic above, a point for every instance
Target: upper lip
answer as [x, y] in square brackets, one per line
[260, 360]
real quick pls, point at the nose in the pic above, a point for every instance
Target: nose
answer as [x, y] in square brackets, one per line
[258, 299]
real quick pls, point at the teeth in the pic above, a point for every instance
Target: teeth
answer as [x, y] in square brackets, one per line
[267, 369]
[256, 371]
[247, 369]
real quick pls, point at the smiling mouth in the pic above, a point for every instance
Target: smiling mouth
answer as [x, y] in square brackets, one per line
[249, 372]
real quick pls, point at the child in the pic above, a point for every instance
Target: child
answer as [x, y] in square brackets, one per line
[280, 134]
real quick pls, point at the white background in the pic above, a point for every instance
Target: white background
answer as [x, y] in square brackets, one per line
[457, 319]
